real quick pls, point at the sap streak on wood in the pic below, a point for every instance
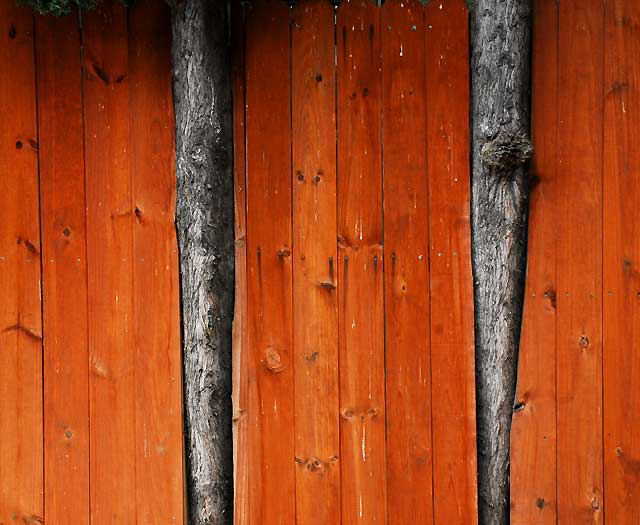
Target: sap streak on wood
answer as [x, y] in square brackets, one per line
[500, 150]
[206, 238]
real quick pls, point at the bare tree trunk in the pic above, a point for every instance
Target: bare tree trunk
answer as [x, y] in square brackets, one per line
[203, 109]
[500, 115]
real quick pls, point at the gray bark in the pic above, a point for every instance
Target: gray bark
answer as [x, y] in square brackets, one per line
[500, 116]
[203, 110]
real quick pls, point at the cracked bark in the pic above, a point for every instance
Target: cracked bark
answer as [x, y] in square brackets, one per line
[500, 115]
[203, 110]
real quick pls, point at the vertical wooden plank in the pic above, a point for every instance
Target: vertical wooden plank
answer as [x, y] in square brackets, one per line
[241, 452]
[269, 263]
[621, 257]
[64, 273]
[408, 359]
[315, 296]
[360, 264]
[156, 326]
[451, 283]
[112, 376]
[579, 273]
[21, 459]
[533, 434]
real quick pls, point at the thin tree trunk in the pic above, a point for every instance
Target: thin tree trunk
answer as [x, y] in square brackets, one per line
[500, 114]
[203, 109]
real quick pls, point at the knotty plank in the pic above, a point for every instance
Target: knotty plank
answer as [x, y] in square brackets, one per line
[156, 325]
[621, 257]
[408, 352]
[64, 270]
[315, 295]
[533, 434]
[579, 256]
[240, 364]
[451, 283]
[112, 376]
[269, 263]
[21, 455]
[360, 264]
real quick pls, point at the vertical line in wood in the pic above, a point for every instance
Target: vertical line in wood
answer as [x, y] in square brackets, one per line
[241, 452]
[21, 454]
[61, 149]
[408, 369]
[621, 258]
[360, 264]
[156, 291]
[269, 263]
[451, 283]
[112, 376]
[579, 274]
[315, 279]
[533, 434]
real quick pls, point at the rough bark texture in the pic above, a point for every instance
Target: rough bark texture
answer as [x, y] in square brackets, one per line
[203, 108]
[500, 113]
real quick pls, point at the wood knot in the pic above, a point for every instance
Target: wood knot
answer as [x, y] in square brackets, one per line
[314, 465]
[284, 252]
[506, 151]
[272, 360]
[583, 343]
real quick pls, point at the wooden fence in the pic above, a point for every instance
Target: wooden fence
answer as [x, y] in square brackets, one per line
[354, 344]
[575, 442]
[90, 375]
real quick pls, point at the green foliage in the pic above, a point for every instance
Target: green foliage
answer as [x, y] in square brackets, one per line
[62, 7]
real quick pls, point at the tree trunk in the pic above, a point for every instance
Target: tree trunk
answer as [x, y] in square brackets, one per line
[500, 114]
[203, 110]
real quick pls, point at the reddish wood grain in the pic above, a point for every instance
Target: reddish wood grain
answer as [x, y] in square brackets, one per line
[315, 295]
[360, 264]
[533, 434]
[64, 273]
[406, 236]
[621, 256]
[269, 263]
[112, 375]
[451, 285]
[21, 454]
[156, 292]
[241, 452]
[579, 256]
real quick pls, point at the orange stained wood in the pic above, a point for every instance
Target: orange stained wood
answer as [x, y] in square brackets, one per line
[315, 296]
[240, 334]
[64, 270]
[361, 264]
[533, 435]
[452, 342]
[269, 263]
[66, 403]
[621, 258]
[21, 453]
[406, 237]
[579, 257]
[112, 374]
[156, 329]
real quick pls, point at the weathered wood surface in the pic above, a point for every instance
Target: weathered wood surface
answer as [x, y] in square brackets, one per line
[500, 43]
[205, 224]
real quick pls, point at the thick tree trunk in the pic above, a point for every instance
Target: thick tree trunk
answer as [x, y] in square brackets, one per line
[500, 73]
[203, 109]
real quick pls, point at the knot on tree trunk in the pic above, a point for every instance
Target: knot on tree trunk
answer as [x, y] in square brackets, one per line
[506, 151]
